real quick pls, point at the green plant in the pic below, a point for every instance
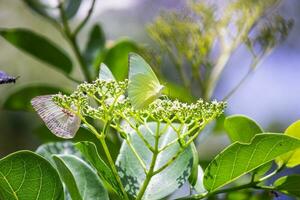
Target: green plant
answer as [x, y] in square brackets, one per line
[158, 154]
[200, 39]
[157, 150]
[85, 60]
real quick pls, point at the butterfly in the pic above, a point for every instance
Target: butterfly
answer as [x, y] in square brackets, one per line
[61, 122]
[5, 78]
[143, 86]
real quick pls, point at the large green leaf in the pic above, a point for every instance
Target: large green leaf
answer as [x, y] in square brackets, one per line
[39, 47]
[80, 179]
[89, 151]
[20, 99]
[27, 176]
[239, 159]
[57, 148]
[94, 47]
[288, 185]
[117, 57]
[163, 183]
[241, 128]
[291, 159]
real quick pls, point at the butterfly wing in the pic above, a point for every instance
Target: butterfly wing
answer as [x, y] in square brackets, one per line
[60, 122]
[144, 86]
[4, 77]
[105, 73]
[143, 90]
[137, 65]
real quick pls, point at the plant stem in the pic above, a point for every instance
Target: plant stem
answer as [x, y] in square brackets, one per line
[72, 40]
[112, 166]
[150, 173]
[77, 30]
[252, 184]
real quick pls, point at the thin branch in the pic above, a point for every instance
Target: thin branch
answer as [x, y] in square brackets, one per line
[85, 20]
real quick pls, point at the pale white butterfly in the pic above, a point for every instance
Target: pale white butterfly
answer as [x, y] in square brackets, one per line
[61, 122]
[143, 86]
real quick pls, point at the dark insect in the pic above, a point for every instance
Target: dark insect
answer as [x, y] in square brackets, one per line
[274, 193]
[5, 78]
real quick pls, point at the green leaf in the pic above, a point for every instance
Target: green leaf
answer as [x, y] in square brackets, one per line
[241, 128]
[167, 181]
[57, 148]
[41, 8]
[291, 159]
[39, 47]
[288, 185]
[27, 176]
[49, 11]
[89, 151]
[80, 179]
[117, 58]
[199, 187]
[194, 172]
[20, 99]
[175, 91]
[71, 7]
[95, 46]
[239, 159]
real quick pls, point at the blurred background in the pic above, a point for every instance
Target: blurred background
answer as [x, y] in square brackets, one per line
[270, 95]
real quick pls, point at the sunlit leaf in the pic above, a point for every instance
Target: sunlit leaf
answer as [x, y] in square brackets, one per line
[239, 159]
[241, 128]
[39, 47]
[288, 185]
[291, 159]
[25, 175]
[80, 179]
[163, 183]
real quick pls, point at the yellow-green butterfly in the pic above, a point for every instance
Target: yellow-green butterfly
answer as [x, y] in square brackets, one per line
[143, 86]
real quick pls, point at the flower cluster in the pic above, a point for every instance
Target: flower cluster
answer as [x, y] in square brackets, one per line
[106, 101]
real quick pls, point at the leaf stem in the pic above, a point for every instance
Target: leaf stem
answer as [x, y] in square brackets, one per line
[101, 138]
[112, 166]
[77, 30]
[252, 184]
[150, 173]
[72, 41]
